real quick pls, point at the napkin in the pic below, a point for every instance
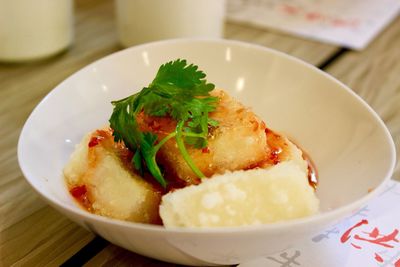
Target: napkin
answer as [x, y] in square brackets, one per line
[352, 24]
[370, 237]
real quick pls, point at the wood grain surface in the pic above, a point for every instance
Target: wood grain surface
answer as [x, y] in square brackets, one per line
[33, 234]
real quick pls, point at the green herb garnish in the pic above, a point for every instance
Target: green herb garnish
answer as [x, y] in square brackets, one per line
[179, 91]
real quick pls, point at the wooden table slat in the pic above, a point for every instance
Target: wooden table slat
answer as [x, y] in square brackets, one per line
[44, 238]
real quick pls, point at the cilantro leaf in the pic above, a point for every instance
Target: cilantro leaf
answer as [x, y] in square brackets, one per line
[179, 74]
[179, 91]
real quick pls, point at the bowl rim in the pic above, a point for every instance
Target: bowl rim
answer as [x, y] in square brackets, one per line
[337, 213]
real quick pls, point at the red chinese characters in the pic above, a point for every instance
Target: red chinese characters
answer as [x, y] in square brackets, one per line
[358, 238]
[316, 16]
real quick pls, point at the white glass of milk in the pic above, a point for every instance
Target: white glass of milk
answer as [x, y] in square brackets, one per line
[34, 29]
[141, 21]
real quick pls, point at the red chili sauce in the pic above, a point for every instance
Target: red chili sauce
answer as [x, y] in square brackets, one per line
[278, 153]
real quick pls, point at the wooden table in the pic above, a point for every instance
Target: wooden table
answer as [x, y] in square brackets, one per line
[33, 234]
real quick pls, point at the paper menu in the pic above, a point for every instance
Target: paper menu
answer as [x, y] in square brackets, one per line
[370, 237]
[348, 23]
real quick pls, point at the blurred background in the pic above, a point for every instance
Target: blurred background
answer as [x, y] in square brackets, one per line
[32, 30]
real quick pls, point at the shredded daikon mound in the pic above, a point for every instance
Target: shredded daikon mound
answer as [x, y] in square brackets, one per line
[250, 197]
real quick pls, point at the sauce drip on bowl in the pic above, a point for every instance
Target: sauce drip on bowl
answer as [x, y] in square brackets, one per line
[312, 171]
[279, 152]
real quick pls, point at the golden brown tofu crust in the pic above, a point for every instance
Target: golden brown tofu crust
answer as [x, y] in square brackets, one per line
[238, 142]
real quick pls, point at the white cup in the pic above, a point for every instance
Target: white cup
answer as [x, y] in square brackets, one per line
[34, 29]
[141, 21]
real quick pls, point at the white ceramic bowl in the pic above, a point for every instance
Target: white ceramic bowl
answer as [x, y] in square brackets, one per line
[351, 147]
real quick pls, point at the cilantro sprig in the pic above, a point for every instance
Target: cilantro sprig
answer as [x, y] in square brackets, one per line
[179, 91]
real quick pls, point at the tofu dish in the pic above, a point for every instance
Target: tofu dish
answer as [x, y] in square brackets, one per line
[181, 153]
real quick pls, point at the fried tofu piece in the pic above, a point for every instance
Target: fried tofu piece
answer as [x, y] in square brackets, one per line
[99, 177]
[238, 142]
